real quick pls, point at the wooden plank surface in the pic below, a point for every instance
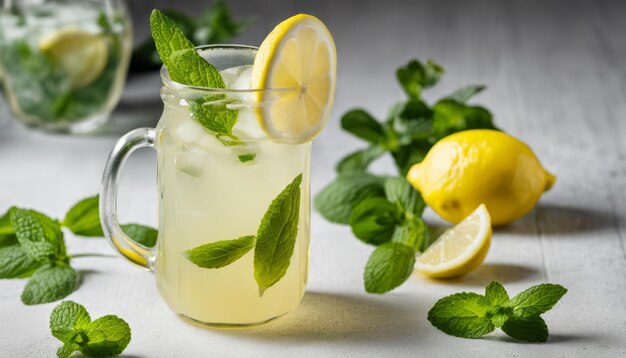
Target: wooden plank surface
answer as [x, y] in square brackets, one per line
[557, 79]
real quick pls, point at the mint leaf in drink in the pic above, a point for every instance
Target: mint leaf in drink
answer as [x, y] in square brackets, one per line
[50, 283]
[532, 329]
[37, 234]
[415, 76]
[462, 95]
[462, 315]
[276, 237]
[70, 323]
[374, 220]
[399, 191]
[186, 66]
[412, 233]
[496, 294]
[220, 253]
[472, 315]
[16, 263]
[537, 300]
[84, 218]
[388, 267]
[357, 162]
[363, 125]
[336, 201]
[142, 234]
[244, 158]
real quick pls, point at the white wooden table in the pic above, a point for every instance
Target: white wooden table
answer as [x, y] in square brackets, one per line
[557, 80]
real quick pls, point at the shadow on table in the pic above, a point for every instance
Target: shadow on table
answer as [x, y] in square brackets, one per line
[335, 317]
[488, 272]
[548, 219]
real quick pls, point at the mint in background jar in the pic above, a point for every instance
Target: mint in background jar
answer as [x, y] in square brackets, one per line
[64, 63]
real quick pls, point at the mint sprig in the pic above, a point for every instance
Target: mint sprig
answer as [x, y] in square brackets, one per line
[186, 66]
[106, 336]
[32, 246]
[273, 244]
[471, 315]
[381, 209]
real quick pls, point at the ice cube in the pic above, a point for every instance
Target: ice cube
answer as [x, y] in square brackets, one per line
[237, 77]
[187, 130]
[191, 161]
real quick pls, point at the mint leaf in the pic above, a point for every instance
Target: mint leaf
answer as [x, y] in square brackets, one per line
[186, 66]
[411, 120]
[388, 267]
[221, 253]
[462, 315]
[412, 233]
[532, 329]
[36, 234]
[336, 201]
[66, 318]
[399, 191]
[142, 234]
[415, 76]
[357, 162]
[244, 158]
[374, 220]
[66, 350]
[451, 116]
[496, 294]
[70, 323]
[16, 263]
[462, 95]
[216, 25]
[6, 229]
[276, 237]
[84, 218]
[50, 283]
[108, 336]
[363, 125]
[537, 300]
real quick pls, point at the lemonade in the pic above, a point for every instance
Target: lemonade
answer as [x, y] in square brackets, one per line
[63, 62]
[212, 192]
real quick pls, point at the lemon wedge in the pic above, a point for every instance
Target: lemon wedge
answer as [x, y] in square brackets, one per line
[81, 54]
[299, 59]
[460, 249]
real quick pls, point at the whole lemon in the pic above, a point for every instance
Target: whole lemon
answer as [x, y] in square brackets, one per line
[471, 167]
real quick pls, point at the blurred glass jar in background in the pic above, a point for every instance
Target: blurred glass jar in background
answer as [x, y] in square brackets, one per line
[63, 63]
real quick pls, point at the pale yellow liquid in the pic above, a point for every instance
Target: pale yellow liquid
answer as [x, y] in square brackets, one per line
[207, 195]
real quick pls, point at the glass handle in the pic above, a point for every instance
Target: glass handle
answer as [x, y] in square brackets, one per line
[136, 253]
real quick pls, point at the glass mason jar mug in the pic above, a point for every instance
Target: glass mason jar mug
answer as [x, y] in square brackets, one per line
[63, 62]
[219, 196]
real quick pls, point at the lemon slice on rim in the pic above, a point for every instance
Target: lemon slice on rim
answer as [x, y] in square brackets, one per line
[83, 55]
[460, 249]
[298, 56]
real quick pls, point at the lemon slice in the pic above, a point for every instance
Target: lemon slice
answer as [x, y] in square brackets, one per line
[83, 55]
[298, 56]
[460, 249]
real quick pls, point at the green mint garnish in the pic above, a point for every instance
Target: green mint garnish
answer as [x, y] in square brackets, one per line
[385, 210]
[84, 218]
[276, 237]
[142, 234]
[186, 66]
[32, 245]
[374, 220]
[336, 201]
[273, 244]
[221, 253]
[388, 267]
[471, 315]
[16, 263]
[50, 283]
[244, 158]
[39, 236]
[106, 336]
